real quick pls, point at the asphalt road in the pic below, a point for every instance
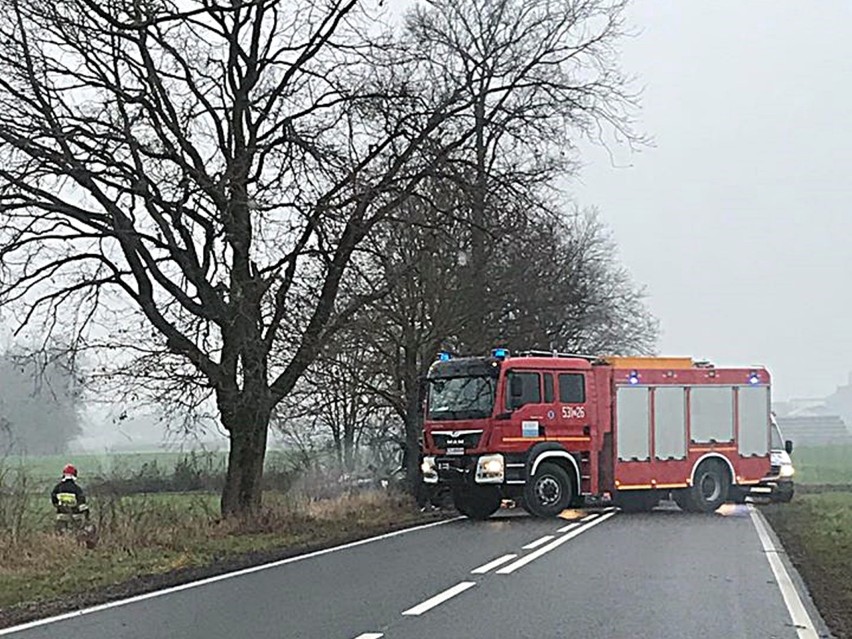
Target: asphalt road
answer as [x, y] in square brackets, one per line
[606, 574]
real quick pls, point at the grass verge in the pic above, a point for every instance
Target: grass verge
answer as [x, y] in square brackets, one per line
[823, 465]
[153, 542]
[816, 530]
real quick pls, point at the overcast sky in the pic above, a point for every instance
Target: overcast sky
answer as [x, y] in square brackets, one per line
[738, 219]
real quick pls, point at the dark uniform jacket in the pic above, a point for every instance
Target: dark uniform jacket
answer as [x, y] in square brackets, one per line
[67, 486]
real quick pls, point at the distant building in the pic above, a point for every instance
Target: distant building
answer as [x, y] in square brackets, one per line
[815, 421]
[840, 402]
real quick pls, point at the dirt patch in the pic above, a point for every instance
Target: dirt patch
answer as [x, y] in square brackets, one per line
[23, 613]
[816, 531]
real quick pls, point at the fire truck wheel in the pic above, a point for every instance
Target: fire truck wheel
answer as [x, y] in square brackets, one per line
[709, 491]
[478, 502]
[549, 492]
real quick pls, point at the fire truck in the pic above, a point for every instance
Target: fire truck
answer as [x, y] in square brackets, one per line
[551, 431]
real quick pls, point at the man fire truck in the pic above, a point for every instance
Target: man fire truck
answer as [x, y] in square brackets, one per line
[555, 430]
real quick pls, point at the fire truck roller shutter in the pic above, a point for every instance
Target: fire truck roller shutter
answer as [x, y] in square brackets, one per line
[754, 411]
[712, 419]
[555, 453]
[670, 422]
[633, 415]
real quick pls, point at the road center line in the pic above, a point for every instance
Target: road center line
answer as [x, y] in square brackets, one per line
[590, 517]
[798, 614]
[568, 527]
[523, 561]
[438, 599]
[537, 542]
[371, 635]
[492, 564]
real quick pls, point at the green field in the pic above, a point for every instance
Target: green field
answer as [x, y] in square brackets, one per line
[820, 465]
[43, 471]
[47, 468]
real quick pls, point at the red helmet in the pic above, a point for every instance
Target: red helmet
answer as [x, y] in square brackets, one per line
[69, 470]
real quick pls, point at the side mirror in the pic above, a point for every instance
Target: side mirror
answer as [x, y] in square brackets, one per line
[788, 446]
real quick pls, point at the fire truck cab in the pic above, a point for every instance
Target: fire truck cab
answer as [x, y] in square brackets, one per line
[556, 430]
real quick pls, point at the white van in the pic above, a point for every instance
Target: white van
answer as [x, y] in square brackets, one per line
[780, 478]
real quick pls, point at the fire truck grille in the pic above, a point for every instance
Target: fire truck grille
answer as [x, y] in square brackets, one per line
[465, 439]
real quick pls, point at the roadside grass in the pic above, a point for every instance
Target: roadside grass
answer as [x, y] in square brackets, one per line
[816, 531]
[823, 465]
[145, 535]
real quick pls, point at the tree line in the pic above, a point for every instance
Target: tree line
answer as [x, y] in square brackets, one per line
[40, 402]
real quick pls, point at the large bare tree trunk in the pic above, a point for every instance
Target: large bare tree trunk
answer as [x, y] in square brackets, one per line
[412, 419]
[242, 492]
[245, 415]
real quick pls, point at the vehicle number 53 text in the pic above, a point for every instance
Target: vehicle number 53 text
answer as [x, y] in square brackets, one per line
[573, 412]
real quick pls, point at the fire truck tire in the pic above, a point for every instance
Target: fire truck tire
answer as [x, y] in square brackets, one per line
[478, 502]
[549, 491]
[709, 490]
[683, 499]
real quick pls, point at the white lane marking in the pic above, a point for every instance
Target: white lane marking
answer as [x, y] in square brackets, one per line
[438, 599]
[371, 635]
[537, 542]
[492, 564]
[568, 527]
[798, 614]
[523, 561]
[590, 517]
[210, 580]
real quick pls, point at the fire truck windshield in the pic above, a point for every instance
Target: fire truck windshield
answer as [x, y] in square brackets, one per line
[461, 397]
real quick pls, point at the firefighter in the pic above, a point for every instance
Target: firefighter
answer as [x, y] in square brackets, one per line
[67, 497]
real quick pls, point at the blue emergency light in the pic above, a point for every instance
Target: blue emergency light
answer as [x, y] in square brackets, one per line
[754, 378]
[634, 377]
[500, 353]
[444, 356]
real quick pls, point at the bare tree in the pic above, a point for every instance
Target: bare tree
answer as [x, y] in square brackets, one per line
[539, 74]
[562, 288]
[190, 188]
[332, 398]
[186, 183]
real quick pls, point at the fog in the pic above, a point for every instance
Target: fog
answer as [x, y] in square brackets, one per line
[737, 219]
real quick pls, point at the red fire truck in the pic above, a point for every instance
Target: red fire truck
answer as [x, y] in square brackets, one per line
[555, 430]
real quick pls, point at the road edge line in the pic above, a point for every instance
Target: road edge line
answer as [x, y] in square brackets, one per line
[209, 580]
[799, 615]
